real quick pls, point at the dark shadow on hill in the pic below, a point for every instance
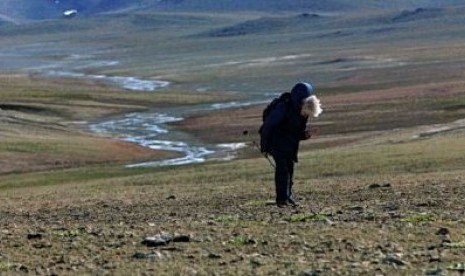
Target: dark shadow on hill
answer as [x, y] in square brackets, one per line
[30, 109]
[46, 27]
[264, 25]
[254, 5]
[417, 14]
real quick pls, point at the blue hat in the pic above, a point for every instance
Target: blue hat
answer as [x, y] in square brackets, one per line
[301, 91]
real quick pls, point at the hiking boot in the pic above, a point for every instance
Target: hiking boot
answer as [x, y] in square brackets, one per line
[281, 204]
[292, 202]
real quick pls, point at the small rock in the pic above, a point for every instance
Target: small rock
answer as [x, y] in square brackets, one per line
[374, 186]
[147, 256]
[34, 236]
[164, 239]
[42, 245]
[214, 256]
[310, 272]
[459, 267]
[442, 231]
[21, 268]
[181, 238]
[434, 258]
[157, 240]
[393, 261]
[171, 197]
[445, 242]
[434, 272]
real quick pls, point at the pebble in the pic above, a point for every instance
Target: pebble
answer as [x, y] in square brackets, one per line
[214, 256]
[34, 236]
[164, 239]
[393, 261]
[147, 256]
[376, 185]
[442, 231]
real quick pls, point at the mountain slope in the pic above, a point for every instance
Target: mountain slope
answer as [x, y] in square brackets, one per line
[313, 5]
[41, 9]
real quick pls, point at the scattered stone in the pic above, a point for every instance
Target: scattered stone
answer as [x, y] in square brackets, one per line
[157, 240]
[442, 231]
[445, 242]
[214, 256]
[34, 236]
[147, 256]
[434, 257]
[21, 268]
[391, 260]
[459, 267]
[310, 272]
[374, 186]
[377, 185]
[181, 238]
[42, 245]
[164, 239]
[434, 272]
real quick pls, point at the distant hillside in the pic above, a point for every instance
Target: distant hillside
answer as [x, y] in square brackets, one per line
[261, 5]
[39, 9]
[47, 9]
[5, 20]
[313, 5]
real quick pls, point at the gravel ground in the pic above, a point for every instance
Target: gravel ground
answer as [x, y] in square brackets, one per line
[401, 224]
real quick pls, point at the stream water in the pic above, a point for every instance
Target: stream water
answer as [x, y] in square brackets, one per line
[150, 129]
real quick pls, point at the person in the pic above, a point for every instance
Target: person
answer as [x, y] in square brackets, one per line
[281, 133]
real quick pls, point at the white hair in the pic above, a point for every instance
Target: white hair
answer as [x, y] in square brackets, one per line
[311, 106]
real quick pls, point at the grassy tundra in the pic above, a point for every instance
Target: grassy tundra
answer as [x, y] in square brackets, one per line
[381, 188]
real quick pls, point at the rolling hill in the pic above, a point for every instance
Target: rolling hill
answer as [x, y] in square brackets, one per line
[21, 10]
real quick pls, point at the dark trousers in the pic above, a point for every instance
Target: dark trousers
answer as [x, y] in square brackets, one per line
[284, 173]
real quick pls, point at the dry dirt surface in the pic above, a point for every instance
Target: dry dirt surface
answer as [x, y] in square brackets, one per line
[407, 224]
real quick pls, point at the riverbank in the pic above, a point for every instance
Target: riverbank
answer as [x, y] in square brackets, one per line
[45, 122]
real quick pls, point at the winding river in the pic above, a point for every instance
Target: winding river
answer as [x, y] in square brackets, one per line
[150, 129]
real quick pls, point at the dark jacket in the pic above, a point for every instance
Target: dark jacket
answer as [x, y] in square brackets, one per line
[284, 127]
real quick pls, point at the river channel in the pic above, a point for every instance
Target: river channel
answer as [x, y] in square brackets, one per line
[150, 129]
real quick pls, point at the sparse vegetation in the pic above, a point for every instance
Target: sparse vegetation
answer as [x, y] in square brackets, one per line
[384, 174]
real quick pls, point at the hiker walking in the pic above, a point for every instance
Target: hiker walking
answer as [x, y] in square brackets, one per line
[284, 126]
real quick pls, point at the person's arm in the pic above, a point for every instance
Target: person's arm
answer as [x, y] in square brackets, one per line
[306, 130]
[307, 134]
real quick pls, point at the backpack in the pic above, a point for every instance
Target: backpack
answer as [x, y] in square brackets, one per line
[286, 96]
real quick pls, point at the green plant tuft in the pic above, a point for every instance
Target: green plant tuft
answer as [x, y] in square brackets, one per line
[420, 217]
[460, 244]
[242, 240]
